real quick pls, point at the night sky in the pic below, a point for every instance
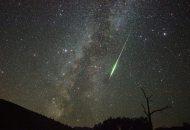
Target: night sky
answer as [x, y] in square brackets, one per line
[56, 58]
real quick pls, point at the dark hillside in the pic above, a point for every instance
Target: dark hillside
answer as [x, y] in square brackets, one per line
[16, 117]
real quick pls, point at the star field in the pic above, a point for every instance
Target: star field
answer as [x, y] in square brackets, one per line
[56, 57]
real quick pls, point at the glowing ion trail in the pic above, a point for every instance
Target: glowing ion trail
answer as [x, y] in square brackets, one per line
[116, 63]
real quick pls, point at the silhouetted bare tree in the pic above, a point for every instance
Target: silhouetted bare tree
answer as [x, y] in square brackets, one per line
[147, 110]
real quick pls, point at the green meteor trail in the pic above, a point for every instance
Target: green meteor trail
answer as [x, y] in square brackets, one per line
[113, 68]
[116, 63]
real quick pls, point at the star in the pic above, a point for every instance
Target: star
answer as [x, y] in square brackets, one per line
[65, 50]
[2, 72]
[164, 33]
[34, 54]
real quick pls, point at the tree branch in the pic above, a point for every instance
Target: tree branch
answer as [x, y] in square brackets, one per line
[150, 96]
[161, 109]
[144, 110]
[144, 93]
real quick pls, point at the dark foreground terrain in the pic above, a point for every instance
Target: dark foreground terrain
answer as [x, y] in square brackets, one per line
[14, 117]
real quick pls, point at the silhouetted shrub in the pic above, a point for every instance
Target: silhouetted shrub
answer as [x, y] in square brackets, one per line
[123, 124]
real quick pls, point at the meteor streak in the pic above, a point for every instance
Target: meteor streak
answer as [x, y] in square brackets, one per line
[116, 63]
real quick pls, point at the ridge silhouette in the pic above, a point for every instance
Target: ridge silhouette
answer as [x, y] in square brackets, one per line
[15, 117]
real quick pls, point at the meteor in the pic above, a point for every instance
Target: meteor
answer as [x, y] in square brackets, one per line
[116, 63]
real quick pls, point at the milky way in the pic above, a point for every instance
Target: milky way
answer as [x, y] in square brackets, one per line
[56, 58]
